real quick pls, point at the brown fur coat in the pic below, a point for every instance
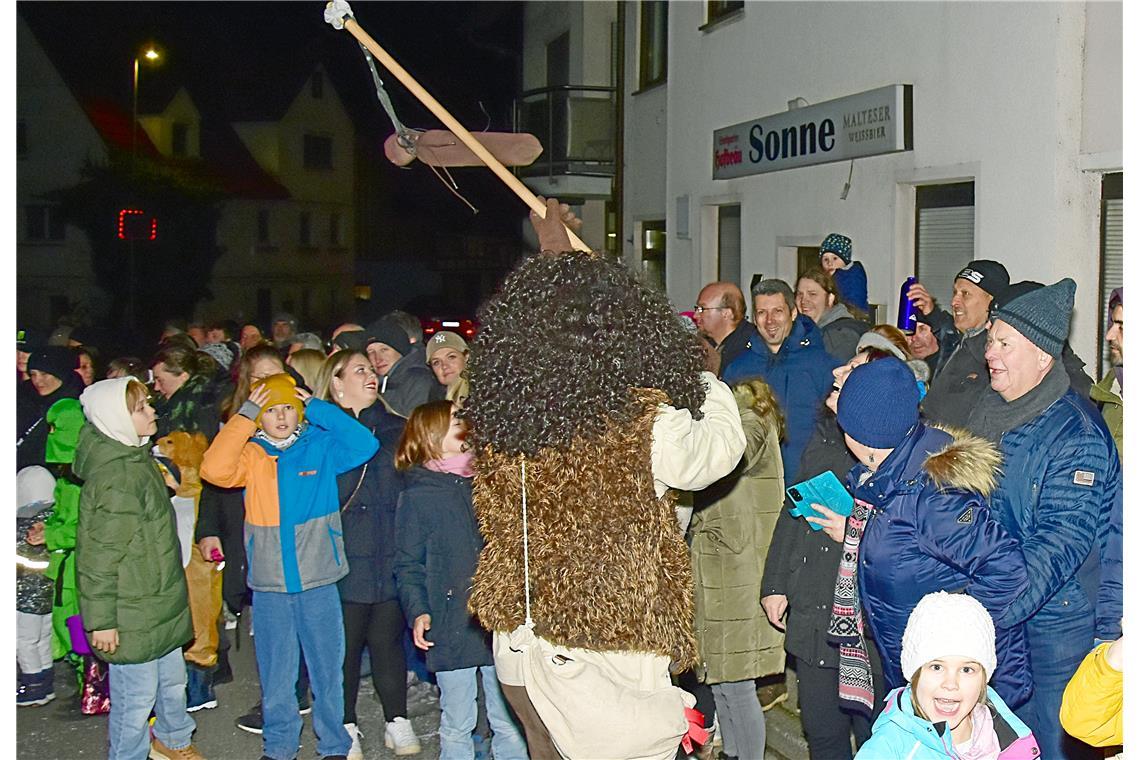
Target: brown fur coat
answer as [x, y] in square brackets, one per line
[609, 569]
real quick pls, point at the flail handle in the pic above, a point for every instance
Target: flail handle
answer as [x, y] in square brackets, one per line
[433, 105]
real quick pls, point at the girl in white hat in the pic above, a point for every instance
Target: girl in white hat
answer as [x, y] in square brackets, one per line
[948, 711]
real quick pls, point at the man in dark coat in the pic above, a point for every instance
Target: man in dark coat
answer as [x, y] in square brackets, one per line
[719, 314]
[788, 354]
[960, 375]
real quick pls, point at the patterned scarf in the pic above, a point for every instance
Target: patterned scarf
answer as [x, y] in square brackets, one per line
[846, 627]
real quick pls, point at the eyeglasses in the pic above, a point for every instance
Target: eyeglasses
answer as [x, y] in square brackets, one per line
[698, 309]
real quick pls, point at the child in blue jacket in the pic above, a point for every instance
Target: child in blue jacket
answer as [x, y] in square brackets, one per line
[286, 449]
[836, 258]
[948, 711]
[438, 545]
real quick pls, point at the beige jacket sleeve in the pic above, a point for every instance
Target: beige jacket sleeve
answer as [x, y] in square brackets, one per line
[690, 454]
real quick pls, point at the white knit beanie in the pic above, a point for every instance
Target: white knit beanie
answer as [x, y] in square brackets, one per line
[948, 625]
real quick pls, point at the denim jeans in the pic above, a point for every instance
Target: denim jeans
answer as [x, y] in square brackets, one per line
[1055, 651]
[137, 689]
[457, 689]
[289, 625]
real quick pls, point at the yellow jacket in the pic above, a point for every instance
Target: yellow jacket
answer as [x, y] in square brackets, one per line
[1092, 709]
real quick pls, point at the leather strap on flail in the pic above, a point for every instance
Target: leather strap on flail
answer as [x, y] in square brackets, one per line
[526, 548]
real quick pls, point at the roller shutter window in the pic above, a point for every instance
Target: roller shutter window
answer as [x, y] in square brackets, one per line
[943, 236]
[1111, 249]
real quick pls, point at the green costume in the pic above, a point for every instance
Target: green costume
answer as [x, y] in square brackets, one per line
[66, 420]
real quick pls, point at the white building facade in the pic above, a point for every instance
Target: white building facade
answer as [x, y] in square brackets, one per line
[1014, 154]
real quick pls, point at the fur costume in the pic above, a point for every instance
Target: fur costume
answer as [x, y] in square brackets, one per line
[611, 574]
[186, 451]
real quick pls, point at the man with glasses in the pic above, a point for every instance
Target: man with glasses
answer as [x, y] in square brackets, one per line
[719, 314]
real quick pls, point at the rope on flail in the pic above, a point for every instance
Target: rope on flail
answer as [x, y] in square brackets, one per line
[408, 139]
[408, 144]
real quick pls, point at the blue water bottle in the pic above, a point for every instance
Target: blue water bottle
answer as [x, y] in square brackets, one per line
[907, 310]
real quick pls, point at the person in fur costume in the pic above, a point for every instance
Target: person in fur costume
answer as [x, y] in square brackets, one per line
[587, 405]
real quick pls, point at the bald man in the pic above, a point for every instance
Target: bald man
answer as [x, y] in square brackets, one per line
[719, 314]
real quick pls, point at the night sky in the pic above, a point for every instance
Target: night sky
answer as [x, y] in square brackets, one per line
[234, 56]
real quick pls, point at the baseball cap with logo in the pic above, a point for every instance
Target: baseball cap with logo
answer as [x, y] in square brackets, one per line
[444, 339]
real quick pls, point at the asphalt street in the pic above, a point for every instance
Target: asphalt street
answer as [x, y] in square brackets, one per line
[58, 731]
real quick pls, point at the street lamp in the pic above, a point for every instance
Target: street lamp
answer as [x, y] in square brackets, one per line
[150, 54]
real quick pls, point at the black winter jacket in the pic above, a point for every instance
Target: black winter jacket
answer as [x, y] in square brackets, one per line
[439, 545]
[802, 563]
[369, 517]
[31, 427]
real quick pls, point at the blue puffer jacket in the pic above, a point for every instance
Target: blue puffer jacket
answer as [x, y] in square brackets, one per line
[931, 530]
[800, 376]
[438, 545]
[368, 498]
[1061, 498]
[899, 734]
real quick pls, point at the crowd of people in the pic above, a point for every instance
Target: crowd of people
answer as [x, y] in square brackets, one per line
[582, 519]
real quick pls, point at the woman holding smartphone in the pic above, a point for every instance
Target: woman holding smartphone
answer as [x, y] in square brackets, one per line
[799, 579]
[920, 524]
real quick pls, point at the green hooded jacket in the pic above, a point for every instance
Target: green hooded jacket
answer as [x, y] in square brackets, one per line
[1112, 407]
[128, 562]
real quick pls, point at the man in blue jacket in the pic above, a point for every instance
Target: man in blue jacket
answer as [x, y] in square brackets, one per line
[790, 356]
[1060, 496]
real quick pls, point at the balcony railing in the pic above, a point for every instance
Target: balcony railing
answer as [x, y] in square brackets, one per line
[576, 127]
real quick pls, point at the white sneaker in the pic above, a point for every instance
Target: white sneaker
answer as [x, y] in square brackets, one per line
[354, 752]
[400, 737]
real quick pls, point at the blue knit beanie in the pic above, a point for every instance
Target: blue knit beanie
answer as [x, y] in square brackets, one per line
[838, 244]
[879, 403]
[1042, 315]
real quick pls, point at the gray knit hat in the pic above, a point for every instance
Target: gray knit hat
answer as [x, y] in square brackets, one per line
[1042, 315]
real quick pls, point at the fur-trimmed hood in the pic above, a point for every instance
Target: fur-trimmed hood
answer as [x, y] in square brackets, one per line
[966, 462]
[945, 459]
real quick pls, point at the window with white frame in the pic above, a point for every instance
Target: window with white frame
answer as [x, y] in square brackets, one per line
[943, 235]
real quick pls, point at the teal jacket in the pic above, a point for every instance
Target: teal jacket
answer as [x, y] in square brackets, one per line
[293, 536]
[128, 562]
[899, 734]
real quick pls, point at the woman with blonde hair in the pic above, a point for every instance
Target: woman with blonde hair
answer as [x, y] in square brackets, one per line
[730, 534]
[307, 362]
[369, 601]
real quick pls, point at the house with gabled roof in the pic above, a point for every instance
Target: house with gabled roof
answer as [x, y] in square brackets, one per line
[283, 158]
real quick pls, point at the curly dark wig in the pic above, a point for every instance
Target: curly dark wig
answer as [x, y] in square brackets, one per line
[561, 346]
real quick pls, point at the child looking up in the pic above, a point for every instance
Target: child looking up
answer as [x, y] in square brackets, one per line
[286, 449]
[438, 545]
[128, 573]
[948, 655]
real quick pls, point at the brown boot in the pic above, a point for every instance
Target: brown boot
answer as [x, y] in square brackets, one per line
[159, 751]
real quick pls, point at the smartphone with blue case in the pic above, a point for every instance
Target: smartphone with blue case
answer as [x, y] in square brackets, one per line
[823, 489]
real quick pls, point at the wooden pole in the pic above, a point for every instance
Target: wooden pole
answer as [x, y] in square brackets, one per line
[433, 105]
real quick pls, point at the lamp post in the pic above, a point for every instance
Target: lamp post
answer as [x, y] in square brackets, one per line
[151, 55]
